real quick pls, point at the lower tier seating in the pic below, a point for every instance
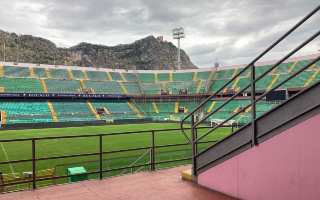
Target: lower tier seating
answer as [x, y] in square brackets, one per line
[65, 111]
[25, 112]
[72, 111]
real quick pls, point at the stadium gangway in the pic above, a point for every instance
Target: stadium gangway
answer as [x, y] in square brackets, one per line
[194, 140]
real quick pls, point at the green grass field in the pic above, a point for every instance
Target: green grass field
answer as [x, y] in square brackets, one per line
[60, 147]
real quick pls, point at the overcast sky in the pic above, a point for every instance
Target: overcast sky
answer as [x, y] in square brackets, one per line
[229, 31]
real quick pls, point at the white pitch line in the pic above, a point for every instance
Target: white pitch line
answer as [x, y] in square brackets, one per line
[7, 157]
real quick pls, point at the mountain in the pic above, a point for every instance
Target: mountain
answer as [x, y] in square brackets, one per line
[149, 53]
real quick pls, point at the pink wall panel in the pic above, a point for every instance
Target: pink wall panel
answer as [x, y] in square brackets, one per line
[286, 166]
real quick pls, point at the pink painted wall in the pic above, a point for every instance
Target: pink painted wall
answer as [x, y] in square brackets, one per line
[286, 166]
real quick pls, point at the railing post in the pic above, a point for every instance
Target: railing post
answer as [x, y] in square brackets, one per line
[100, 157]
[194, 147]
[253, 106]
[1, 183]
[152, 152]
[34, 186]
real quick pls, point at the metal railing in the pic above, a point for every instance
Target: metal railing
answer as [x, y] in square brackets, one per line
[252, 85]
[151, 163]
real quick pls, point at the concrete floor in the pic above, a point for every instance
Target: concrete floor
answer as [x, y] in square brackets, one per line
[160, 185]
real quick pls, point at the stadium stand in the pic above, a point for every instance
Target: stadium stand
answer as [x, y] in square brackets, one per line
[148, 78]
[63, 80]
[20, 85]
[70, 111]
[40, 72]
[25, 112]
[16, 71]
[97, 76]
[63, 86]
[77, 74]
[111, 87]
[58, 73]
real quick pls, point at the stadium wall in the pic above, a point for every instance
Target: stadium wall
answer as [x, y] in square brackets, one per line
[52, 125]
[283, 167]
[23, 126]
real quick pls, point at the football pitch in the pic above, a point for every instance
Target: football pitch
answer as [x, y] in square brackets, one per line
[112, 145]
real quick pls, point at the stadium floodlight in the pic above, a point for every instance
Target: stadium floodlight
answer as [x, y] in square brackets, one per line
[178, 33]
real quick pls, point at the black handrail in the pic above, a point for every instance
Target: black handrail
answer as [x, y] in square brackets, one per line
[262, 75]
[151, 147]
[252, 63]
[260, 97]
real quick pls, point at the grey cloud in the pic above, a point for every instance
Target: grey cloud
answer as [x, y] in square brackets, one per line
[118, 21]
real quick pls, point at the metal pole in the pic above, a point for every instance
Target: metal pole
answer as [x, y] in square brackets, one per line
[232, 128]
[179, 62]
[100, 157]
[253, 106]
[194, 148]
[34, 164]
[1, 183]
[152, 153]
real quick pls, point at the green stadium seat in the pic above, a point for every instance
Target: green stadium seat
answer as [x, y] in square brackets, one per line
[130, 76]
[20, 85]
[63, 86]
[110, 87]
[77, 74]
[12, 71]
[203, 75]
[97, 76]
[59, 73]
[163, 77]
[151, 89]
[26, 112]
[146, 77]
[132, 87]
[40, 72]
[115, 76]
[72, 111]
[186, 76]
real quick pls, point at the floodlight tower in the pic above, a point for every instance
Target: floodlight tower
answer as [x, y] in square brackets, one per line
[178, 33]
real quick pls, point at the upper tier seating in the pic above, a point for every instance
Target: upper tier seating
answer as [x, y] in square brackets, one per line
[163, 77]
[77, 74]
[97, 76]
[20, 85]
[148, 78]
[40, 72]
[132, 87]
[58, 73]
[111, 87]
[115, 76]
[182, 76]
[203, 75]
[63, 86]
[130, 76]
[16, 71]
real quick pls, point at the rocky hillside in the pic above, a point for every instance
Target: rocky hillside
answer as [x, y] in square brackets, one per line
[148, 53]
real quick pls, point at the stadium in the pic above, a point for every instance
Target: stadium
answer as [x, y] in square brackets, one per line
[110, 123]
